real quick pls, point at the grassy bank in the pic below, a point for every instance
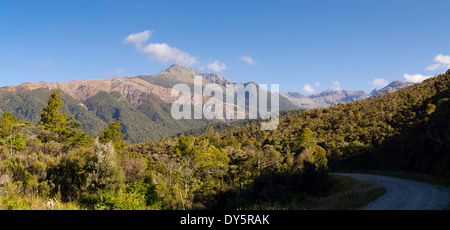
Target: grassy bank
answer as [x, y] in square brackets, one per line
[348, 193]
[345, 194]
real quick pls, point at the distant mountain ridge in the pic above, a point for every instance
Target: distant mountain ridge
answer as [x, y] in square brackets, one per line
[335, 96]
[392, 87]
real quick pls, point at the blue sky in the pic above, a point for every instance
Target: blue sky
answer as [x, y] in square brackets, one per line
[304, 46]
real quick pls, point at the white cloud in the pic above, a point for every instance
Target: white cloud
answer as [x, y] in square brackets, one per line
[137, 39]
[163, 53]
[308, 88]
[444, 59]
[336, 85]
[379, 82]
[248, 60]
[217, 66]
[443, 62]
[433, 67]
[415, 78]
[46, 63]
[317, 84]
[160, 52]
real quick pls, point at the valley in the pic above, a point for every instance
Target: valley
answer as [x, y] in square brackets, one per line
[223, 166]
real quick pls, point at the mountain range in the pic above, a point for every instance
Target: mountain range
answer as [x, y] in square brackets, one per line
[336, 96]
[143, 103]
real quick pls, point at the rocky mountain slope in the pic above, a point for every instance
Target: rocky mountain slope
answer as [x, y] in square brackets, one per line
[141, 103]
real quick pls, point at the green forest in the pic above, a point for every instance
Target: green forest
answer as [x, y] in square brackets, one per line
[95, 112]
[235, 166]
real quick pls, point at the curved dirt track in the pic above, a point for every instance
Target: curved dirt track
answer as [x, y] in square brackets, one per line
[403, 194]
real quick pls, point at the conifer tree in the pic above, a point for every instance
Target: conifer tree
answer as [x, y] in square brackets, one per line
[59, 127]
[51, 118]
[113, 133]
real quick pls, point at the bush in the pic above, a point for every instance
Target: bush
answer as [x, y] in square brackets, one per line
[69, 176]
[134, 168]
[136, 196]
[113, 200]
[103, 171]
[148, 191]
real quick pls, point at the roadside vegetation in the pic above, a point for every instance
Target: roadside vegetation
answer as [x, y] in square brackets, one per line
[242, 167]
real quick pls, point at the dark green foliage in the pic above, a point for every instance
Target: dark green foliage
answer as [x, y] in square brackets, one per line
[113, 134]
[27, 106]
[148, 191]
[136, 196]
[150, 120]
[69, 176]
[57, 126]
[314, 179]
[404, 131]
[11, 132]
[153, 114]
[51, 118]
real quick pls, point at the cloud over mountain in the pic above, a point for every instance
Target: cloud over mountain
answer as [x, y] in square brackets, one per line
[443, 62]
[415, 78]
[308, 88]
[160, 52]
[217, 66]
[164, 53]
[379, 82]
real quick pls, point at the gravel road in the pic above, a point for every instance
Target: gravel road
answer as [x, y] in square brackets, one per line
[403, 194]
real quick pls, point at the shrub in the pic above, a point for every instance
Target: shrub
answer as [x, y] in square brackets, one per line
[68, 176]
[102, 168]
[121, 200]
[134, 168]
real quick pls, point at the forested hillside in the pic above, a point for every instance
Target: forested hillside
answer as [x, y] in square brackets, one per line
[236, 168]
[408, 130]
[153, 115]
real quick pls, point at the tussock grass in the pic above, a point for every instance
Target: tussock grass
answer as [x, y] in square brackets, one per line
[12, 198]
[348, 193]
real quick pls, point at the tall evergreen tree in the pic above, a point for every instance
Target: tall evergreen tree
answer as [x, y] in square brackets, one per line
[59, 127]
[51, 118]
[113, 133]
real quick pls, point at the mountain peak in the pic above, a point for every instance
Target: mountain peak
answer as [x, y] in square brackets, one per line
[180, 72]
[180, 68]
[186, 74]
[392, 87]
